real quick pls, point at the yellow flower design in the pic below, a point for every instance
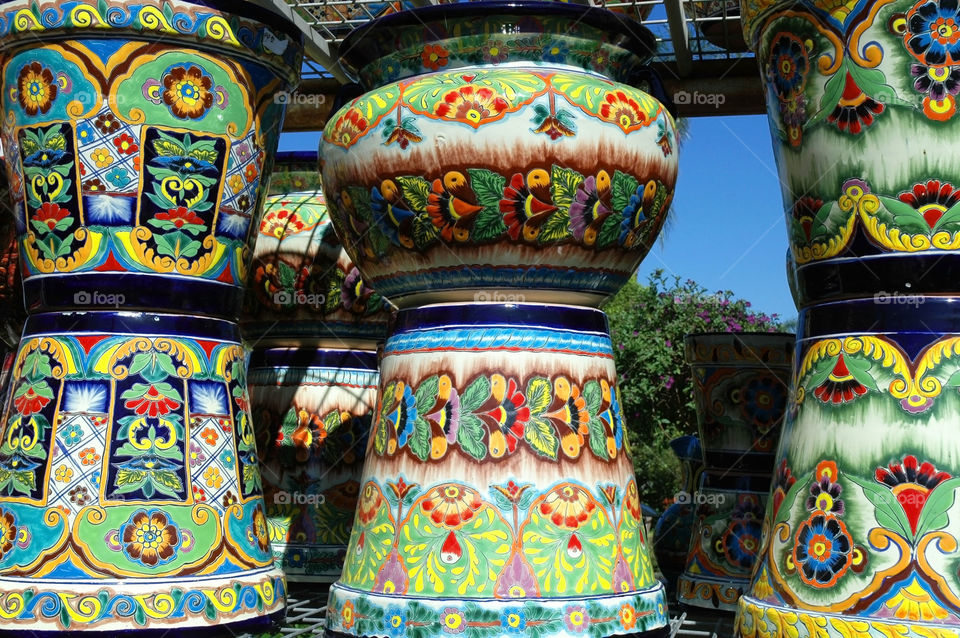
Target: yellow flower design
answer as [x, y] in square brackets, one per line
[913, 602]
[63, 474]
[235, 182]
[187, 91]
[102, 157]
[213, 477]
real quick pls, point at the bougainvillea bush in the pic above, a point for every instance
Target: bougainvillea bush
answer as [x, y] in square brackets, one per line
[647, 324]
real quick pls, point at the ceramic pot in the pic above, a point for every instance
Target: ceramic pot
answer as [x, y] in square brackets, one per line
[862, 103]
[427, 203]
[740, 386]
[497, 495]
[671, 536]
[136, 136]
[314, 327]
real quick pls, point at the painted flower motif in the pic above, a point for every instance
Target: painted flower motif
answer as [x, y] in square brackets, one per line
[403, 416]
[229, 498]
[590, 207]
[631, 501]
[933, 32]
[804, 211]
[79, 495]
[453, 620]
[355, 294]
[567, 506]
[348, 615]
[72, 435]
[235, 182]
[369, 504]
[741, 541]
[556, 51]
[513, 620]
[51, 216]
[63, 474]
[228, 459]
[793, 112]
[472, 104]
[84, 133]
[118, 177]
[825, 491]
[527, 204]
[199, 494]
[212, 477]
[782, 484]
[392, 578]
[150, 538]
[125, 144]
[106, 123]
[434, 56]
[451, 505]
[931, 200]
[788, 65]
[576, 619]
[911, 483]
[452, 206]
[260, 532]
[349, 126]
[840, 386]
[638, 210]
[822, 552]
[250, 172]
[210, 436]
[88, 456]
[36, 88]
[395, 621]
[556, 127]
[23, 538]
[494, 52]
[623, 110]
[915, 602]
[855, 110]
[187, 92]
[628, 616]
[95, 479]
[94, 186]
[8, 532]
[152, 403]
[29, 402]
[180, 218]
[516, 580]
[196, 454]
[102, 157]
[764, 401]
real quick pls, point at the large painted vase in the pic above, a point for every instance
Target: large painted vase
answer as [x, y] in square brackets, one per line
[863, 522]
[671, 536]
[314, 328]
[498, 167]
[740, 387]
[136, 136]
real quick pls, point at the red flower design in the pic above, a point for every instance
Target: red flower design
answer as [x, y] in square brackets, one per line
[179, 217]
[434, 56]
[152, 403]
[125, 144]
[30, 402]
[50, 214]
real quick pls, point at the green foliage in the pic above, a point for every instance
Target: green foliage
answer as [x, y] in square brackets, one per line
[647, 324]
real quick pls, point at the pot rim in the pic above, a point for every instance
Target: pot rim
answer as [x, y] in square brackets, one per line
[239, 8]
[637, 39]
[751, 334]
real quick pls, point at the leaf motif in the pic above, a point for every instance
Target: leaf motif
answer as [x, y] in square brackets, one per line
[597, 437]
[56, 142]
[167, 148]
[420, 439]
[424, 232]
[563, 186]
[860, 369]
[889, 512]
[416, 190]
[204, 155]
[538, 395]
[933, 516]
[470, 435]
[541, 436]
[426, 394]
[902, 215]
[593, 396]
[126, 476]
[622, 189]
[556, 228]
[475, 394]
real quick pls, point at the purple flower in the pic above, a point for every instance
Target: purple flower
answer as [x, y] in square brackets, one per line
[391, 578]
[622, 578]
[516, 580]
[735, 327]
[576, 618]
[669, 383]
[668, 343]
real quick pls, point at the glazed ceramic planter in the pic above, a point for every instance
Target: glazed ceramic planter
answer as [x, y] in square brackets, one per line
[499, 159]
[430, 206]
[863, 521]
[740, 386]
[136, 135]
[314, 327]
[671, 536]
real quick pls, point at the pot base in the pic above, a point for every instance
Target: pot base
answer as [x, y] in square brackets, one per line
[351, 612]
[208, 606]
[698, 591]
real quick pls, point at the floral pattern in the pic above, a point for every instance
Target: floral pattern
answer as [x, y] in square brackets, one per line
[187, 91]
[149, 537]
[36, 88]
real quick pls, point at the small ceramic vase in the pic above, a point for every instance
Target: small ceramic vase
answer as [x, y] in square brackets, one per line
[136, 135]
[740, 386]
[314, 328]
[497, 494]
[671, 536]
[864, 519]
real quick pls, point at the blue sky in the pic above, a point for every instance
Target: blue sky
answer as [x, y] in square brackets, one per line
[727, 230]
